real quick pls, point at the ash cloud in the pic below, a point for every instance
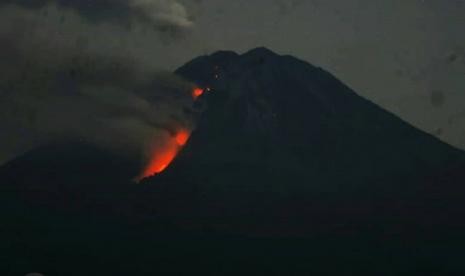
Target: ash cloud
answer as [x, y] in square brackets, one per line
[68, 81]
[161, 14]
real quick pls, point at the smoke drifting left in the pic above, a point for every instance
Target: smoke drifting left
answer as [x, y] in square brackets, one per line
[59, 80]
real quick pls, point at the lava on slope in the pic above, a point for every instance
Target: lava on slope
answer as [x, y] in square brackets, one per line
[162, 157]
[181, 137]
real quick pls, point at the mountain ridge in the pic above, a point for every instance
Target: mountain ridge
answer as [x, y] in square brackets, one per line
[326, 147]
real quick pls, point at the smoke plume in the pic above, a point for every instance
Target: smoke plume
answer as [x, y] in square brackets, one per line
[162, 14]
[65, 76]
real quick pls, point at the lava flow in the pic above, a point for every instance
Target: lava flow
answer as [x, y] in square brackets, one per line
[162, 157]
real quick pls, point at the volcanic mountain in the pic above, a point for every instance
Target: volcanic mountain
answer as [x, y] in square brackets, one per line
[284, 146]
[282, 149]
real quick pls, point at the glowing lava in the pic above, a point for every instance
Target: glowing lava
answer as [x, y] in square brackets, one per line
[160, 161]
[162, 157]
[181, 137]
[197, 93]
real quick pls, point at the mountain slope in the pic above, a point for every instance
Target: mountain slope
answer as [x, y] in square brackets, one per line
[282, 140]
[69, 177]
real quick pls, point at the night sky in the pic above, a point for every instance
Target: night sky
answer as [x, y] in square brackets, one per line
[406, 55]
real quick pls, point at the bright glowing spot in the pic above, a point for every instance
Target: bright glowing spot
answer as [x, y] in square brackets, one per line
[197, 93]
[182, 137]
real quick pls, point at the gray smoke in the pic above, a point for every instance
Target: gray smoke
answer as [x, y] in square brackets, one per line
[162, 14]
[69, 81]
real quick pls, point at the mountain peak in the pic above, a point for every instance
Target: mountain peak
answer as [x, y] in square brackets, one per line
[260, 52]
[277, 107]
[255, 52]
[209, 67]
[224, 54]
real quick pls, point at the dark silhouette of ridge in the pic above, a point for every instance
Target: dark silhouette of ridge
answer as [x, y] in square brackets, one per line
[71, 176]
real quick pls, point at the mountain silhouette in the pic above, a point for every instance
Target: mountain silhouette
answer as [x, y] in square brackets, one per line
[71, 176]
[282, 150]
[285, 147]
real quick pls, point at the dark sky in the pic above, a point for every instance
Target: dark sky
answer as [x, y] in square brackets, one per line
[406, 55]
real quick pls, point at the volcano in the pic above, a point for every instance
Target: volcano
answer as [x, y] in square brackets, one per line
[283, 150]
[284, 146]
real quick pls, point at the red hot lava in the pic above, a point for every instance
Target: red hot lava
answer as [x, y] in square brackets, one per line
[182, 137]
[197, 93]
[162, 157]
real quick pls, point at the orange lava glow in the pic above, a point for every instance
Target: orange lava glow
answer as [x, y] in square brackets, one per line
[182, 136]
[160, 161]
[197, 93]
[162, 157]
